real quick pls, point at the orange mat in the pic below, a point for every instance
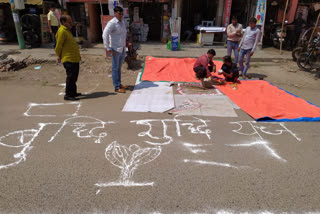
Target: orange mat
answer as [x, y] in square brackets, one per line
[172, 69]
[266, 102]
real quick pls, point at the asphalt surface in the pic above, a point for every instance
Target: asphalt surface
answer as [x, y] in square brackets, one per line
[89, 157]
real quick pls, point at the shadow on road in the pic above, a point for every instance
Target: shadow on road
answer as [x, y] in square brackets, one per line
[96, 95]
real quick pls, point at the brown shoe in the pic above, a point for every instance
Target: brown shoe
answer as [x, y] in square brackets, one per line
[123, 87]
[120, 90]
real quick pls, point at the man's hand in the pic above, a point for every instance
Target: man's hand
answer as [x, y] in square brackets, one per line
[59, 60]
[112, 52]
[238, 49]
[251, 53]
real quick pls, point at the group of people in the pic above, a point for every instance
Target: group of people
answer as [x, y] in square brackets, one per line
[243, 44]
[67, 50]
[114, 39]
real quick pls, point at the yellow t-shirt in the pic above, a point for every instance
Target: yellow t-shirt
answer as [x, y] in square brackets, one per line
[66, 47]
[53, 19]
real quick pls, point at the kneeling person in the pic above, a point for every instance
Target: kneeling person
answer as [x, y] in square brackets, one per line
[229, 70]
[203, 68]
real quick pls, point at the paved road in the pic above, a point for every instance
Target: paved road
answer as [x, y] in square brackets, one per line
[89, 157]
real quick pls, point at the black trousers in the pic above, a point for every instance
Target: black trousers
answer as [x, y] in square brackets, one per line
[72, 70]
[202, 70]
[54, 31]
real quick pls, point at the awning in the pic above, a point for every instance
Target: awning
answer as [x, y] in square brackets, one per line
[37, 2]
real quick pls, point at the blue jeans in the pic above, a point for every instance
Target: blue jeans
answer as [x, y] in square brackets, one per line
[117, 62]
[242, 68]
[233, 46]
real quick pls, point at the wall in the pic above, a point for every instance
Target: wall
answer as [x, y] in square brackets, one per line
[290, 14]
[94, 29]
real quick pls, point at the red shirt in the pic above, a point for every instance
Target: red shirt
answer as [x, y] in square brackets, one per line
[204, 61]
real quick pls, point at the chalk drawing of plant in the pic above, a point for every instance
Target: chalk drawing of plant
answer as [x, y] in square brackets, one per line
[128, 159]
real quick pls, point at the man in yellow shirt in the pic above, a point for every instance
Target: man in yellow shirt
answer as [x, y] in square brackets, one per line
[68, 52]
[53, 22]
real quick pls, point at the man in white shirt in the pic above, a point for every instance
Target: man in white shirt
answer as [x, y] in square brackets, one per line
[234, 32]
[248, 45]
[53, 23]
[114, 39]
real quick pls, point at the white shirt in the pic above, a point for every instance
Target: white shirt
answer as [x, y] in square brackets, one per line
[232, 32]
[250, 39]
[115, 35]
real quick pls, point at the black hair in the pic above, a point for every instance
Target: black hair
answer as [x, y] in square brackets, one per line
[201, 74]
[212, 52]
[63, 19]
[234, 18]
[227, 59]
[253, 20]
[117, 9]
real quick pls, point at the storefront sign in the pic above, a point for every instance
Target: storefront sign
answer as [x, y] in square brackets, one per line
[227, 12]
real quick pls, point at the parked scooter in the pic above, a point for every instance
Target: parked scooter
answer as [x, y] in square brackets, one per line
[275, 34]
[310, 59]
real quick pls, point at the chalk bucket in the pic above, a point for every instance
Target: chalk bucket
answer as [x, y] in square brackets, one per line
[174, 41]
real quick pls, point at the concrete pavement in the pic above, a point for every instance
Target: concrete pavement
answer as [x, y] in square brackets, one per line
[154, 49]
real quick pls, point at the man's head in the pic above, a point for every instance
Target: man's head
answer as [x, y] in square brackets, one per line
[299, 15]
[252, 22]
[66, 21]
[234, 20]
[227, 60]
[211, 53]
[118, 12]
[52, 7]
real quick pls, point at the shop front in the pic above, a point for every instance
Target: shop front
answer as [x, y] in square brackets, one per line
[151, 16]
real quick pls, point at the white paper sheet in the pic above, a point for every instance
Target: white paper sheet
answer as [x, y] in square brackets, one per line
[150, 97]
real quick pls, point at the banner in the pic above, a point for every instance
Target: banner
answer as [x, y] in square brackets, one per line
[261, 15]
[261, 12]
[227, 12]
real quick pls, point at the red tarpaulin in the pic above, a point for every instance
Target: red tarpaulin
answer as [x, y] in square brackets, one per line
[171, 69]
[264, 101]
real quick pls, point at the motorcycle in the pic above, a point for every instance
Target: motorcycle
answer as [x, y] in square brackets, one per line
[310, 59]
[275, 34]
[302, 43]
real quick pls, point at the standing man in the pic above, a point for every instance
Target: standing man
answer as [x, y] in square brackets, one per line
[53, 23]
[234, 32]
[67, 50]
[114, 39]
[248, 45]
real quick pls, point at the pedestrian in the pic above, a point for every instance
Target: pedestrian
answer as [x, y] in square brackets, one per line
[204, 63]
[234, 32]
[68, 52]
[53, 23]
[248, 45]
[229, 70]
[203, 68]
[114, 39]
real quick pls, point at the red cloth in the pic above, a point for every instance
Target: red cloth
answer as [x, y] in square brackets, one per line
[263, 101]
[172, 69]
